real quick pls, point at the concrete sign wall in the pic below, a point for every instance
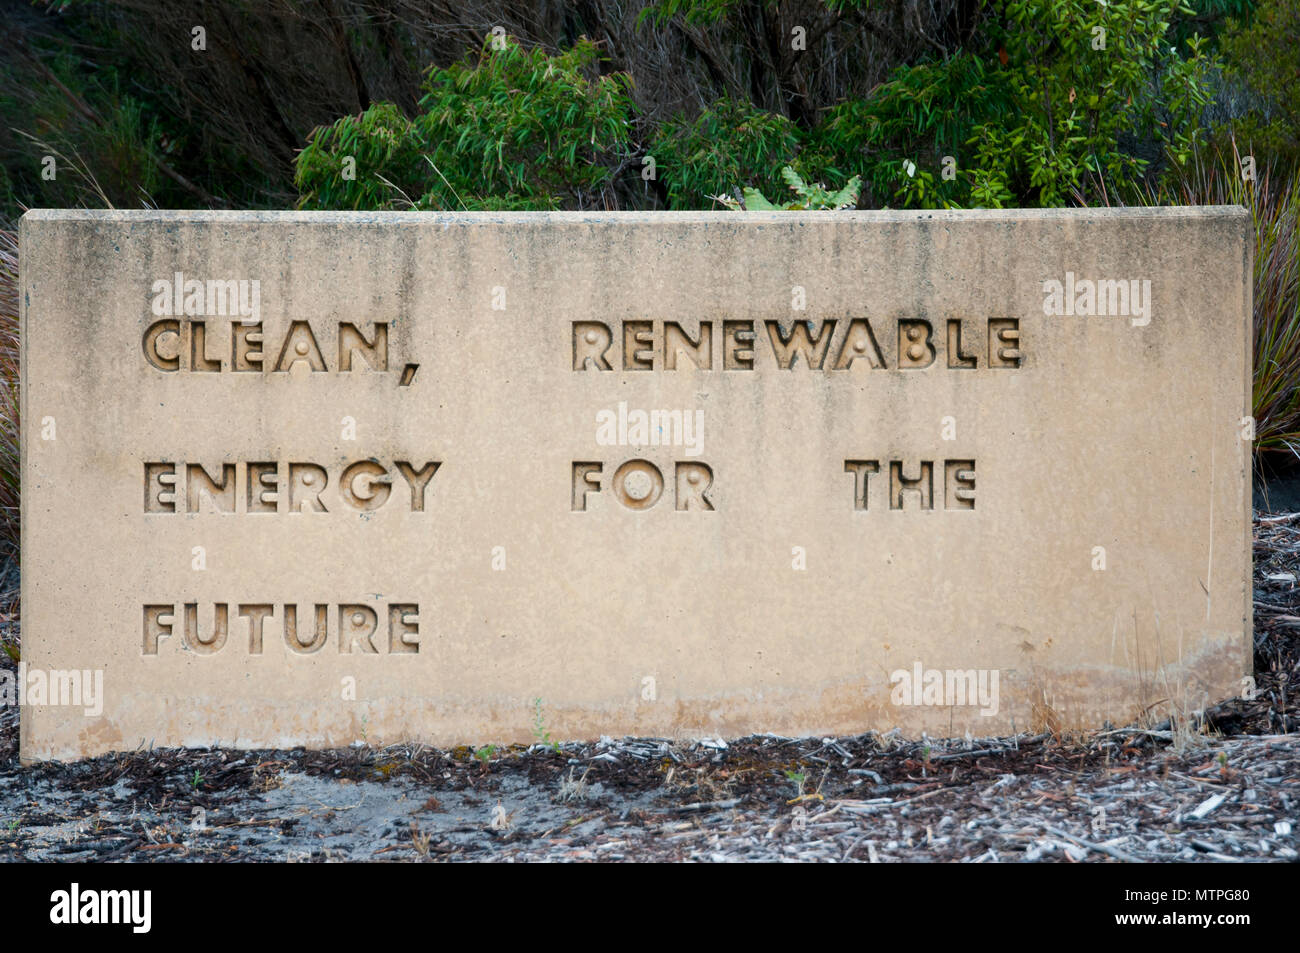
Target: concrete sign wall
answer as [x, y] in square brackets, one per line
[308, 479]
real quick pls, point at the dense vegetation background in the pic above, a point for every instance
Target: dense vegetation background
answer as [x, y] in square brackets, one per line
[619, 104]
[622, 104]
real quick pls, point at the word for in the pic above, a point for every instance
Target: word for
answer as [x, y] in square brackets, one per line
[224, 297]
[958, 484]
[946, 688]
[355, 628]
[73, 688]
[364, 485]
[638, 484]
[1085, 298]
[655, 428]
[185, 345]
[653, 345]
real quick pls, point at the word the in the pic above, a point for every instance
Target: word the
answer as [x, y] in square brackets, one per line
[223, 297]
[638, 484]
[103, 906]
[653, 345]
[639, 428]
[364, 485]
[946, 688]
[1085, 298]
[355, 628]
[72, 688]
[958, 484]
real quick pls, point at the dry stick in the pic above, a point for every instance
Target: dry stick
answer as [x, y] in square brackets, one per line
[708, 805]
[1099, 848]
[1283, 518]
[968, 754]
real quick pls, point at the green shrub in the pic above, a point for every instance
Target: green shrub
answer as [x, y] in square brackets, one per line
[517, 129]
[730, 145]
[810, 198]
[1264, 56]
[103, 141]
[1210, 19]
[922, 114]
[370, 161]
[1034, 113]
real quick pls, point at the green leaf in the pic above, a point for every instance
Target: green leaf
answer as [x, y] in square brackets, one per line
[755, 202]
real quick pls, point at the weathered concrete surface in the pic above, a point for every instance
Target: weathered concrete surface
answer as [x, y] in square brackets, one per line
[1108, 441]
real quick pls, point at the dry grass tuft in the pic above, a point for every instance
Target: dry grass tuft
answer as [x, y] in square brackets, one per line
[9, 445]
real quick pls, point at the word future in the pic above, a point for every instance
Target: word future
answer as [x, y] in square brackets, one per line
[357, 626]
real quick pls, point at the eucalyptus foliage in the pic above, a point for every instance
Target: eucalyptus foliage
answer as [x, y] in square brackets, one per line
[1063, 97]
[515, 129]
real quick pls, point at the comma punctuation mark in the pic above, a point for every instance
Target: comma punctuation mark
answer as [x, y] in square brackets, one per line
[408, 375]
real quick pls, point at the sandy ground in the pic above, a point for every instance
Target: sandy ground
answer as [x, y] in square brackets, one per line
[1124, 796]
